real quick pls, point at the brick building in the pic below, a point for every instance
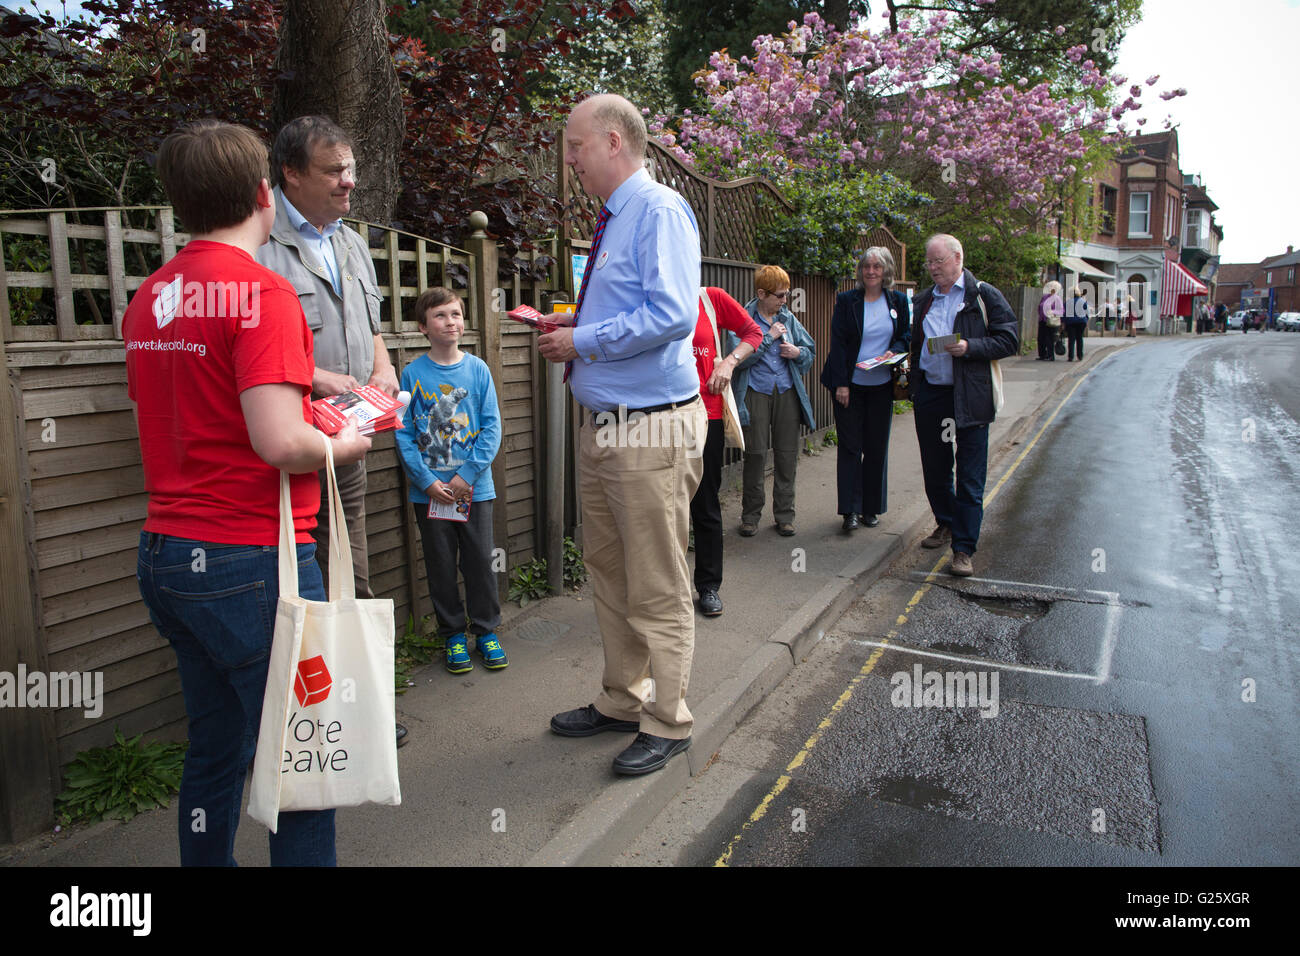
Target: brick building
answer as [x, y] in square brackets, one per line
[1272, 284]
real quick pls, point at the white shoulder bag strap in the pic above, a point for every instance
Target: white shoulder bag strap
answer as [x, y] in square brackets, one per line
[342, 585]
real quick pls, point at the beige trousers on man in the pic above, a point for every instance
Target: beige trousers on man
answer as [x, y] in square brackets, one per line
[636, 485]
[352, 489]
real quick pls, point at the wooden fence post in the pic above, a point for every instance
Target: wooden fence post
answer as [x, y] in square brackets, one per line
[483, 280]
[27, 748]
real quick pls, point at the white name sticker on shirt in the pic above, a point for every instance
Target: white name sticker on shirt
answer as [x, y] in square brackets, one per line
[602, 259]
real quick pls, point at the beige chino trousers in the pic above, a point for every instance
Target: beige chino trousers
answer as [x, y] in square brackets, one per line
[636, 487]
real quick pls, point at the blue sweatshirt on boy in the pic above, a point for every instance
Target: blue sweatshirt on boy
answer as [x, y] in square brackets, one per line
[452, 427]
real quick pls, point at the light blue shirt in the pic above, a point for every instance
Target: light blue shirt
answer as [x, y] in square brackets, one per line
[939, 321]
[770, 373]
[319, 241]
[641, 304]
[877, 334]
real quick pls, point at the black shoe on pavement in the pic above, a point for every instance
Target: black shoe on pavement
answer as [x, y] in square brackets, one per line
[850, 523]
[868, 521]
[585, 721]
[710, 603]
[648, 753]
[402, 735]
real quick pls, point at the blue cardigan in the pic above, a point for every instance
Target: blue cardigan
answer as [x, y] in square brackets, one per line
[798, 367]
[846, 334]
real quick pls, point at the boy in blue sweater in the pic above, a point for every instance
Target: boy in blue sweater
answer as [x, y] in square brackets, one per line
[452, 433]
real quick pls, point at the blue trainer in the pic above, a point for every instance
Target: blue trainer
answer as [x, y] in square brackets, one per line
[458, 661]
[494, 658]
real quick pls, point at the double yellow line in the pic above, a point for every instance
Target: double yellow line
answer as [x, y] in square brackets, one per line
[784, 780]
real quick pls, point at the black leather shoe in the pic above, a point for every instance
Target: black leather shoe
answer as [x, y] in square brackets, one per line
[710, 603]
[850, 523]
[868, 521]
[402, 735]
[648, 753]
[586, 721]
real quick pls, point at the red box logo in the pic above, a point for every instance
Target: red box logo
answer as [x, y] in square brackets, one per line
[312, 683]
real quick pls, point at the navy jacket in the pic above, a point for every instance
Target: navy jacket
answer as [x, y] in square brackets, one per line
[972, 376]
[846, 334]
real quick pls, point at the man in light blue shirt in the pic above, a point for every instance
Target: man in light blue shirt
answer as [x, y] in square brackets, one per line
[640, 453]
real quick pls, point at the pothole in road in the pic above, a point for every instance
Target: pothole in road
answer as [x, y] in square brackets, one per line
[1020, 608]
[915, 792]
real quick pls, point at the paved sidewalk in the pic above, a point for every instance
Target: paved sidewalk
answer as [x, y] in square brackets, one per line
[483, 779]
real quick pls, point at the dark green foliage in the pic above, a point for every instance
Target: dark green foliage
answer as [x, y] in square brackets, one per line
[528, 581]
[120, 781]
[575, 570]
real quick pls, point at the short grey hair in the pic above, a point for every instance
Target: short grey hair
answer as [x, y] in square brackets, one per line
[613, 113]
[297, 140]
[886, 260]
[950, 243]
[1052, 288]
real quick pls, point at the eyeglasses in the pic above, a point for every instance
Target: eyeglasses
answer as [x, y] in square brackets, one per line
[931, 263]
[779, 295]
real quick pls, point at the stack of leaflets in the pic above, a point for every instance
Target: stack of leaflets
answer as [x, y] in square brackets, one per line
[939, 343]
[879, 360]
[530, 316]
[459, 511]
[365, 406]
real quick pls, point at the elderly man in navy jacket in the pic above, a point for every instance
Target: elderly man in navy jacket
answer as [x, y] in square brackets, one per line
[953, 393]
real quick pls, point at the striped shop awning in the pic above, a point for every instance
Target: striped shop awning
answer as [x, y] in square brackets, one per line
[1178, 281]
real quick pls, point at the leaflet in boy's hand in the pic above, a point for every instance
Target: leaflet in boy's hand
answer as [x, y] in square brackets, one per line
[457, 511]
[368, 407]
[530, 316]
[879, 360]
[939, 343]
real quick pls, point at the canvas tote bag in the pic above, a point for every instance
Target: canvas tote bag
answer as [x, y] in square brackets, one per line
[326, 737]
[731, 427]
[995, 369]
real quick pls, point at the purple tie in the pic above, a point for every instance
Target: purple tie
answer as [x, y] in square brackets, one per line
[586, 274]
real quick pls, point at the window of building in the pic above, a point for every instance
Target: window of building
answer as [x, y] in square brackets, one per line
[1139, 214]
[1268, 279]
[1192, 236]
[1109, 201]
[1290, 275]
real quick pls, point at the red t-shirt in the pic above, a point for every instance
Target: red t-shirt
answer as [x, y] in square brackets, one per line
[731, 317]
[200, 330]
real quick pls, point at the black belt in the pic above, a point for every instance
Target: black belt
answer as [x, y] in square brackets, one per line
[666, 407]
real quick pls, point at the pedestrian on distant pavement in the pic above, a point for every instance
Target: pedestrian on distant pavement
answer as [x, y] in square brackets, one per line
[772, 401]
[1050, 309]
[629, 344]
[953, 393]
[715, 375]
[1076, 323]
[1221, 317]
[1130, 316]
[869, 321]
[451, 435]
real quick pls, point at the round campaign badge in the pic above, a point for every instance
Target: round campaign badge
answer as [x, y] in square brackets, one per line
[600, 262]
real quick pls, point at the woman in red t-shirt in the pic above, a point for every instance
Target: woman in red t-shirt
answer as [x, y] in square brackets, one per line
[706, 513]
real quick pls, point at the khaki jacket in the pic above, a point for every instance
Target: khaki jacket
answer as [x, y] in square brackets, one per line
[343, 326]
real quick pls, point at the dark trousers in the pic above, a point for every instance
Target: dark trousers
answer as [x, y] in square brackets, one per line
[467, 545]
[221, 624]
[1046, 342]
[352, 489]
[706, 512]
[1074, 339]
[862, 462]
[941, 442]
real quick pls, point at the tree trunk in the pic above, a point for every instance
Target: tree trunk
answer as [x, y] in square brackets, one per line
[334, 61]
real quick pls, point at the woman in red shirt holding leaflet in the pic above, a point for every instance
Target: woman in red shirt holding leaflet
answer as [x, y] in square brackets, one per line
[219, 365]
[715, 375]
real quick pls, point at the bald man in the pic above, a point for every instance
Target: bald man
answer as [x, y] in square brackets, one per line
[629, 356]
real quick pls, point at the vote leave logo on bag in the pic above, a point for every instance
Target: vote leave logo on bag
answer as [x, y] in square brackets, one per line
[312, 683]
[318, 743]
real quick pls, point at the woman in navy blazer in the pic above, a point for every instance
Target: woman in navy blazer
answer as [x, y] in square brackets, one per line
[868, 321]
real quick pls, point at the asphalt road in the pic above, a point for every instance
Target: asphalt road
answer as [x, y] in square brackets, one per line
[1136, 603]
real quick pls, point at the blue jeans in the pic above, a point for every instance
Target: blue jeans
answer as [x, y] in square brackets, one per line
[217, 608]
[961, 511]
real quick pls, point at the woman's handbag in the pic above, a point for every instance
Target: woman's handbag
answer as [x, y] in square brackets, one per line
[326, 737]
[902, 388]
[731, 426]
[1059, 346]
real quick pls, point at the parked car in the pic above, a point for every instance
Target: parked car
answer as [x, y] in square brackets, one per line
[1235, 319]
[1288, 322]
